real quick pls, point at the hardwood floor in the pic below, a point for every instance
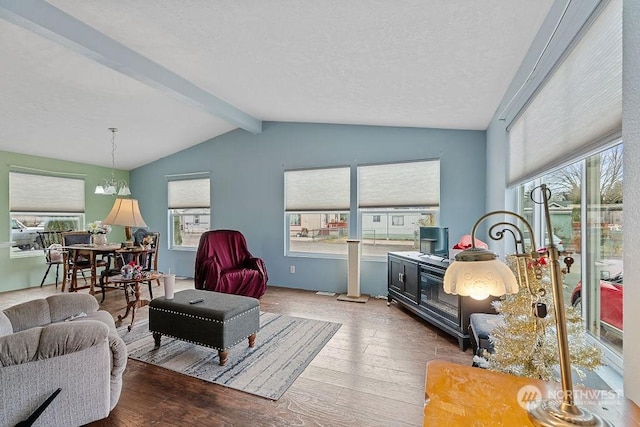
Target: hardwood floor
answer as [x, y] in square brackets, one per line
[371, 373]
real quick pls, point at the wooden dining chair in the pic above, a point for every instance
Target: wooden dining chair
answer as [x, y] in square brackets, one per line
[51, 244]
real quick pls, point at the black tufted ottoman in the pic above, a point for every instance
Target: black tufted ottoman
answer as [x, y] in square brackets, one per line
[219, 321]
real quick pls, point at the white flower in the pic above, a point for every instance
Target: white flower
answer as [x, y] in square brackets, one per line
[97, 227]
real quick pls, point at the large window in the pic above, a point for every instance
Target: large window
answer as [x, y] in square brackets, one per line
[317, 210]
[42, 203]
[189, 211]
[586, 217]
[394, 201]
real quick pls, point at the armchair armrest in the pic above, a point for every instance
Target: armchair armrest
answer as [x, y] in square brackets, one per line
[207, 268]
[257, 264]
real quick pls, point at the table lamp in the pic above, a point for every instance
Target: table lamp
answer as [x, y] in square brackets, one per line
[125, 212]
[478, 273]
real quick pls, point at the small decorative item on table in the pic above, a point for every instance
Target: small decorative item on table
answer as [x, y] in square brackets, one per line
[131, 271]
[147, 242]
[99, 232]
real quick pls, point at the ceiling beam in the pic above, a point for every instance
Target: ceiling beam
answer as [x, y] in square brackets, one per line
[52, 23]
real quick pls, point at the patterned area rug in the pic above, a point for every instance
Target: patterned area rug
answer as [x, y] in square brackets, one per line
[284, 347]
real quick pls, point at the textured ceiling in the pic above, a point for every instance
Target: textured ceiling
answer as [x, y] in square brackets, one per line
[419, 63]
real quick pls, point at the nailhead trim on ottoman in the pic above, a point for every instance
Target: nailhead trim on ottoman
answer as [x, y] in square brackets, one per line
[220, 321]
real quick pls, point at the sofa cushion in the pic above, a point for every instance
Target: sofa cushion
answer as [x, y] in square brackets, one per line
[63, 306]
[102, 316]
[20, 347]
[5, 325]
[29, 315]
[58, 339]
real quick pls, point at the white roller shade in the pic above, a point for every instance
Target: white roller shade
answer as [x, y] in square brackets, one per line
[44, 193]
[578, 109]
[317, 189]
[413, 184]
[189, 193]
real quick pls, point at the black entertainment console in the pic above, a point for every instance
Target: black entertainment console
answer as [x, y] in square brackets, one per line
[415, 282]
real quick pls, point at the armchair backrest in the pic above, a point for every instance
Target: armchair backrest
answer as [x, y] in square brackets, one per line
[228, 246]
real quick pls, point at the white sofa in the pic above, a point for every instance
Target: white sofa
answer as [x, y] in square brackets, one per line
[45, 346]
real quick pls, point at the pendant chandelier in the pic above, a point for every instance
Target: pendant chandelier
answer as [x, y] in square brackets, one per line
[111, 186]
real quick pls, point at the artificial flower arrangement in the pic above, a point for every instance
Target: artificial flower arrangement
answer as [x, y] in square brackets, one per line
[131, 271]
[97, 227]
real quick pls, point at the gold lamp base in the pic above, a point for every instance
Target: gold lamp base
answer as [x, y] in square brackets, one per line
[555, 413]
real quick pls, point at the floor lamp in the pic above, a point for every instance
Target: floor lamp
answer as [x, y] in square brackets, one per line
[478, 273]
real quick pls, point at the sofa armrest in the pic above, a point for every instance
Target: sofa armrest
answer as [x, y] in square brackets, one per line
[50, 341]
[64, 338]
[119, 354]
[20, 347]
[63, 306]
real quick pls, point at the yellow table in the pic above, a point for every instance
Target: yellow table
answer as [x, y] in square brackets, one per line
[457, 395]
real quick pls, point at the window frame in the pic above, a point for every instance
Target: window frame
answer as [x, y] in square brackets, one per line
[181, 204]
[33, 210]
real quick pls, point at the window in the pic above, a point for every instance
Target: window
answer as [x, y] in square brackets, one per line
[569, 128]
[317, 210]
[42, 203]
[294, 219]
[394, 201]
[189, 211]
[579, 105]
[586, 214]
[397, 220]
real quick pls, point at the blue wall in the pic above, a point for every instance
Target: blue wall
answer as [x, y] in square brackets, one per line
[247, 189]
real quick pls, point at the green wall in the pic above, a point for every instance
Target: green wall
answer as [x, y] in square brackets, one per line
[20, 273]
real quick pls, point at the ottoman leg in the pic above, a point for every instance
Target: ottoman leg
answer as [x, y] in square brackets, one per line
[223, 355]
[252, 340]
[156, 338]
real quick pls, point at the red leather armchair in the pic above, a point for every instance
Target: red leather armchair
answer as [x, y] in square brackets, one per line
[224, 264]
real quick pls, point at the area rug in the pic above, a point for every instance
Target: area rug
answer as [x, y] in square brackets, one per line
[284, 347]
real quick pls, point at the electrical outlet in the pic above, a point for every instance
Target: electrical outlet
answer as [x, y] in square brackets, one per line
[292, 269]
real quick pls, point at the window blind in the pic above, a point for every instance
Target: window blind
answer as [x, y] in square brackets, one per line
[578, 109]
[317, 189]
[412, 184]
[44, 193]
[189, 193]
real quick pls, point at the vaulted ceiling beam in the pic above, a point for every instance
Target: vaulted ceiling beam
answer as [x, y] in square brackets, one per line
[54, 24]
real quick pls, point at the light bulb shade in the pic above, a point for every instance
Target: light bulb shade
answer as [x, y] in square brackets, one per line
[99, 189]
[110, 190]
[124, 191]
[479, 278]
[125, 212]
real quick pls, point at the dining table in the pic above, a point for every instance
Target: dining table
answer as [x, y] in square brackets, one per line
[93, 251]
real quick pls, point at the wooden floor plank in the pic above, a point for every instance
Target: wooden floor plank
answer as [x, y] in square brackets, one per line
[371, 373]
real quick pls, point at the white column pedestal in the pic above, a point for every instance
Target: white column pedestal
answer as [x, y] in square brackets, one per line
[353, 274]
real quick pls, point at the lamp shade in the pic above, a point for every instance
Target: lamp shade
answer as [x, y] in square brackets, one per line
[472, 274]
[125, 212]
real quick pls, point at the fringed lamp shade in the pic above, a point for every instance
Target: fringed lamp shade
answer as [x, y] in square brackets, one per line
[478, 273]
